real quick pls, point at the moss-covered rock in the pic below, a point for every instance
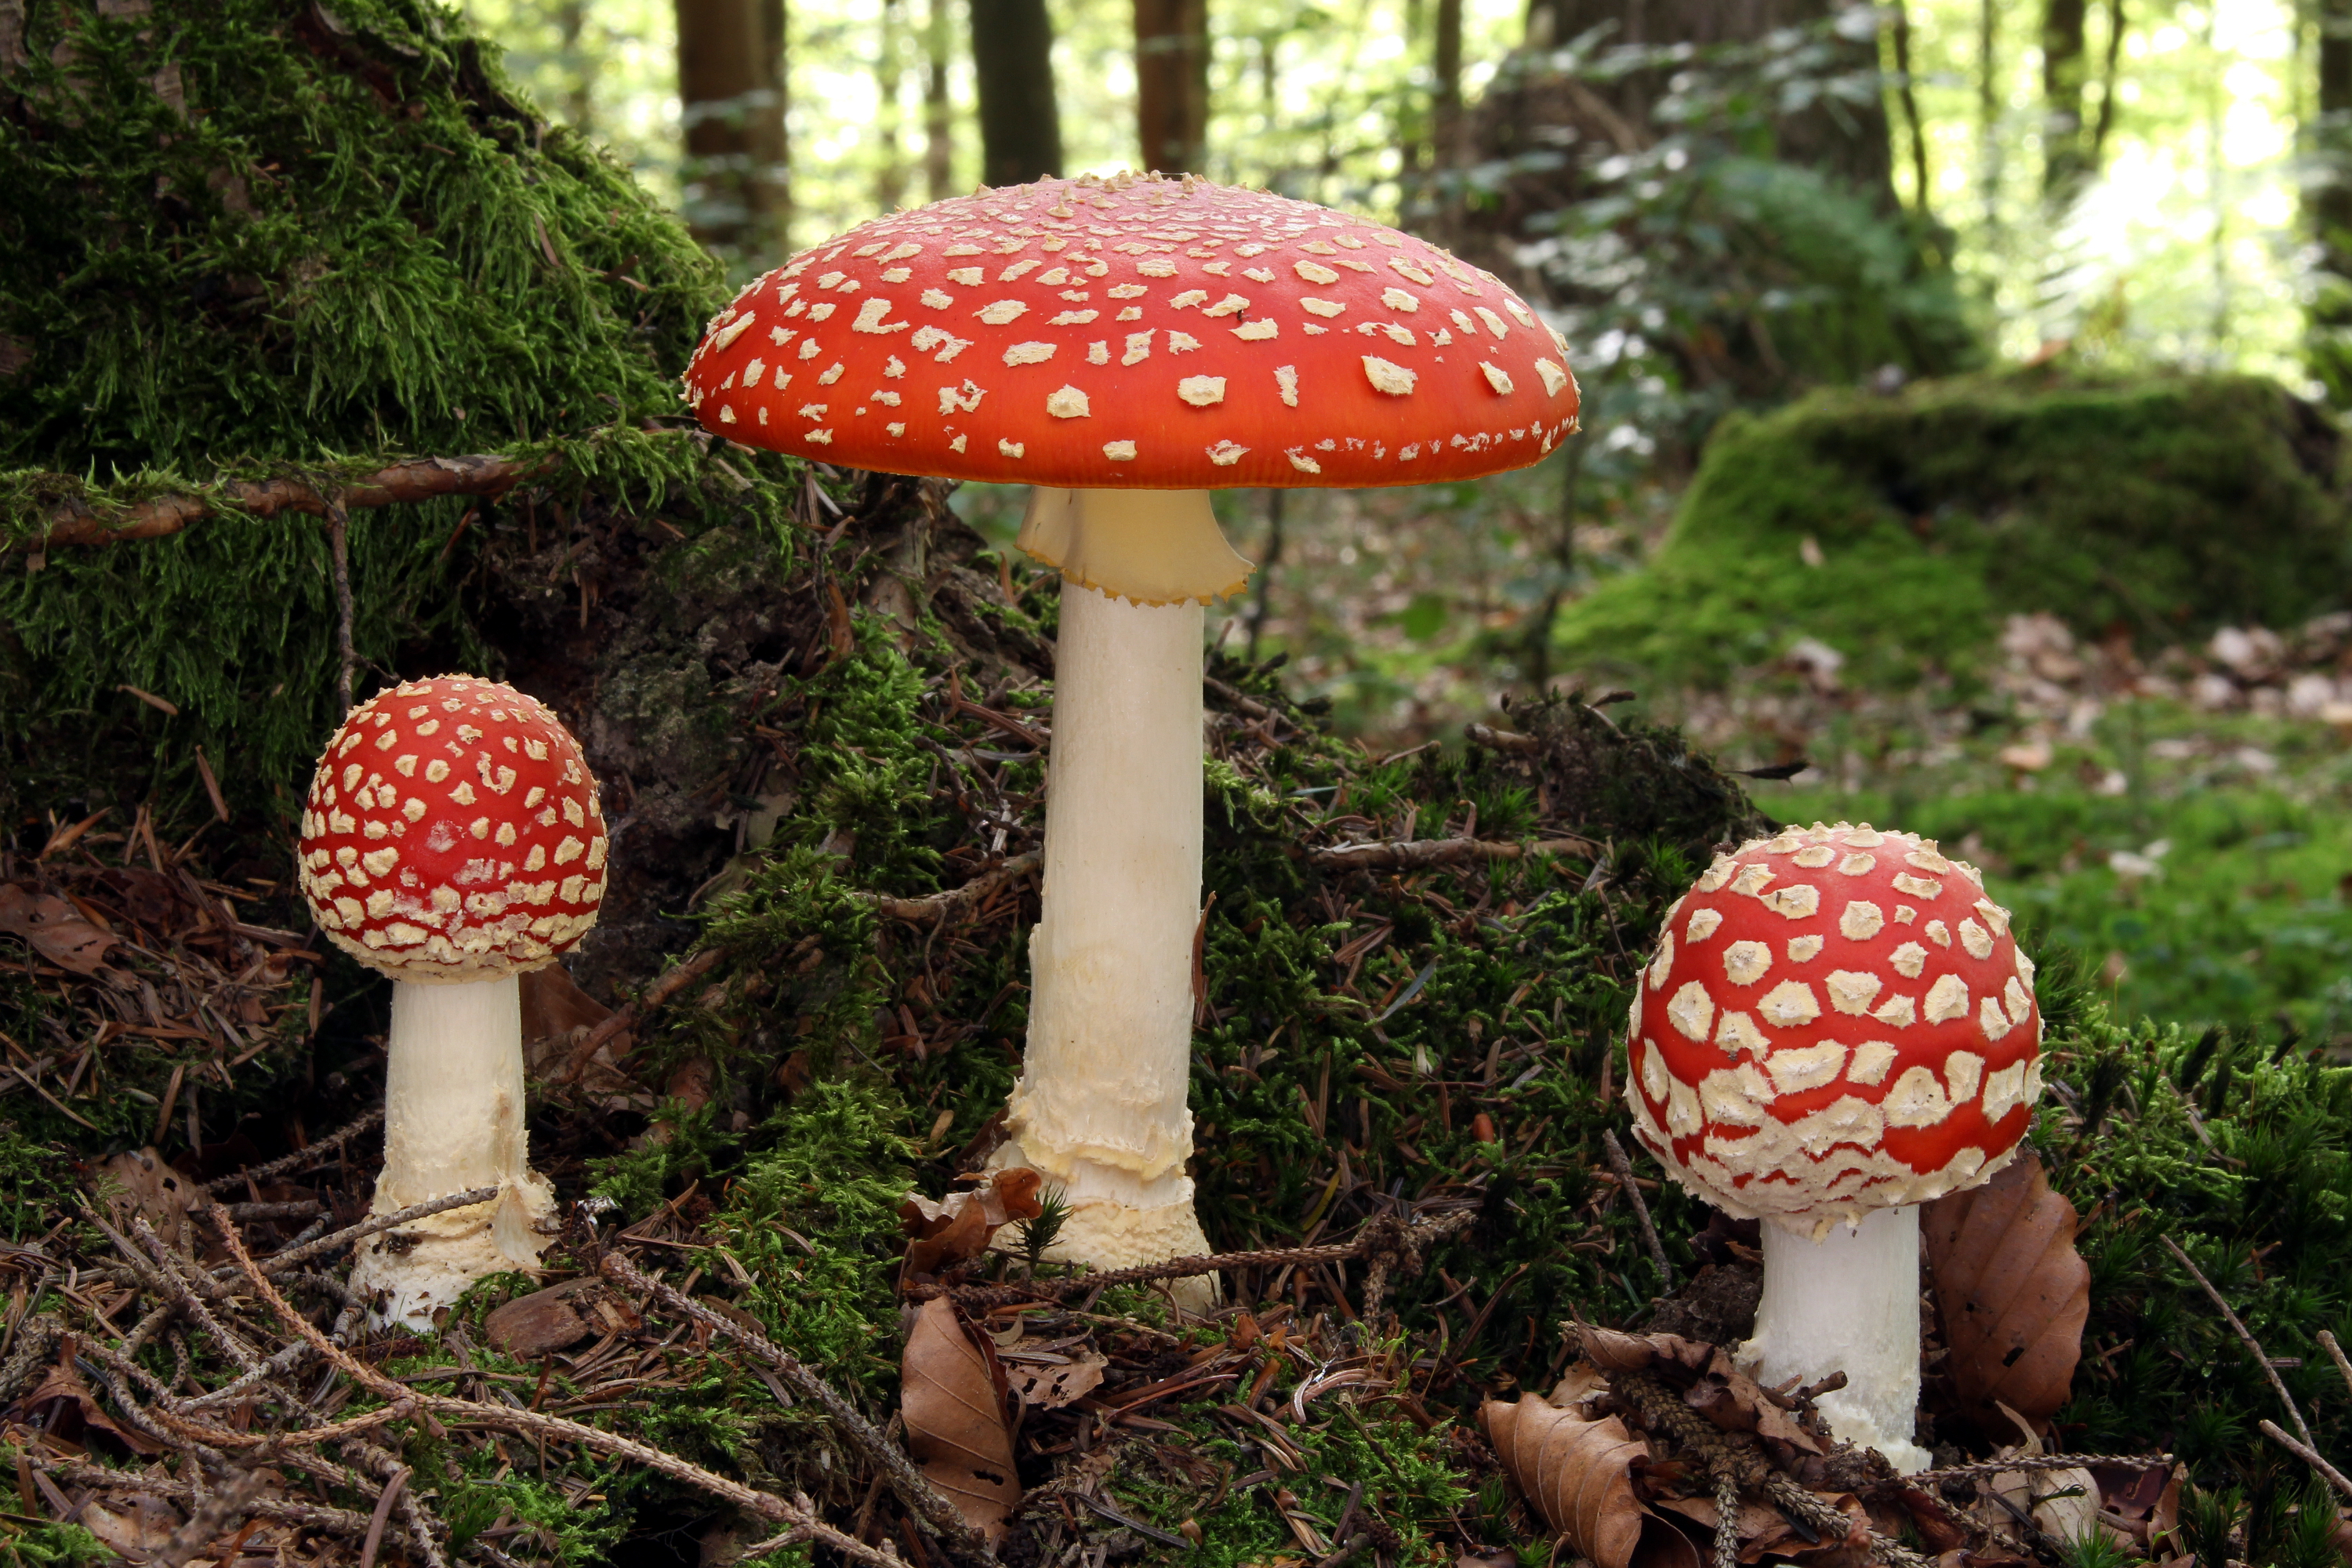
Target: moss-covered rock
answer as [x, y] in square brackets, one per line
[1900, 530]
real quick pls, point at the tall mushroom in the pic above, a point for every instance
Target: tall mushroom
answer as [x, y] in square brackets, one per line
[451, 839]
[1836, 1027]
[1123, 346]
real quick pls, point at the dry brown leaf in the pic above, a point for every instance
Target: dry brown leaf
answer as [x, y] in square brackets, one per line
[1764, 1530]
[1711, 1385]
[1049, 1386]
[949, 1230]
[56, 931]
[132, 1526]
[952, 1397]
[152, 1190]
[551, 1319]
[553, 1005]
[2012, 1292]
[1578, 1474]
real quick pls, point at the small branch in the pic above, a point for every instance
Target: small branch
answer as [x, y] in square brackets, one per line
[1922, 1479]
[914, 1489]
[308, 1154]
[2307, 1454]
[666, 984]
[1624, 1169]
[938, 909]
[75, 521]
[2343, 1367]
[339, 554]
[1416, 855]
[278, 1262]
[2252, 1345]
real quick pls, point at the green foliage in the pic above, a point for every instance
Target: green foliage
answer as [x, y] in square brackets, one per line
[51, 1545]
[2158, 508]
[33, 1177]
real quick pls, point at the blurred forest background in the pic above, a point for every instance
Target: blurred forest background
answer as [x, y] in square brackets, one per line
[1975, 229]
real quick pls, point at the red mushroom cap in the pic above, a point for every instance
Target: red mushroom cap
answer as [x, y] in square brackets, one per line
[1836, 1020]
[452, 833]
[1135, 333]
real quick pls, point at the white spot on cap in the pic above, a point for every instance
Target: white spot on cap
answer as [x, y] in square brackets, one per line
[1139, 348]
[1994, 916]
[1947, 999]
[1917, 886]
[725, 336]
[1314, 272]
[1180, 342]
[1286, 379]
[1002, 312]
[832, 373]
[1495, 323]
[1916, 1099]
[1799, 1067]
[1853, 990]
[1398, 300]
[1804, 949]
[1315, 305]
[2004, 1089]
[1991, 1019]
[1067, 402]
[1029, 353]
[1798, 901]
[1663, 961]
[1735, 1096]
[1119, 451]
[1940, 933]
[869, 318]
[1751, 880]
[1745, 962]
[1703, 924]
[1737, 1032]
[1692, 1011]
[1495, 377]
[1789, 1003]
[1257, 331]
[1900, 1012]
[1908, 960]
[1718, 874]
[1302, 462]
[957, 445]
[2020, 1003]
[1009, 448]
[1224, 454]
[1201, 391]
[1554, 378]
[1392, 379]
[1098, 352]
[1975, 939]
[936, 300]
[1871, 1061]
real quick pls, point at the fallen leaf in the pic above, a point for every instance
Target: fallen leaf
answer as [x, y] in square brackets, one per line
[949, 1230]
[952, 1398]
[1047, 1386]
[2063, 1504]
[547, 1321]
[2012, 1293]
[64, 1407]
[1578, 1475]
[149, 1188]
[132, 1526]
[1710, 1383]
[56, 930]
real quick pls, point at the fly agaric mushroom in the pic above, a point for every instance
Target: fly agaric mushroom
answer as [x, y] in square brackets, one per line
[1837, 1028]
[452, 838]
[1124, 345]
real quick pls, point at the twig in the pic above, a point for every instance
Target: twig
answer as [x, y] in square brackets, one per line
[766, 1505]
[2252, 1345]
[381, 1516]
[2307, 1454]
[278, 1262]
[1624, 1169]
[665, 986]
[75, 521]
[218, 1512]
[308, 1155]
[914, 1489]
[2335, 1351]
[190, 1301]
[339, 554]
[2033, 1462]
[308, 1516]
[938, 908]
[1413, 855]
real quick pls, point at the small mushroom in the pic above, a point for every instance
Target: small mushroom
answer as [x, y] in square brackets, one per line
[1124, 346]
[451, 839]
[1837, 1027]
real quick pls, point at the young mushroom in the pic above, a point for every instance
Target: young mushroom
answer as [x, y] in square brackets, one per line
[1837, 1027]
[451, 839]
[1124, 346]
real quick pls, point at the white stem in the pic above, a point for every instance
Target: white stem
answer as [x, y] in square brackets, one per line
[453, 1103]
[1101, 1107]
[1848, 1302]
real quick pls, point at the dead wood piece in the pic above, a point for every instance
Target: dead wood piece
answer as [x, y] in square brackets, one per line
[422, 479]
[1624, 1169]
[955, 903]
[1420, 854]
[2253, 1346]
[2308, 1455]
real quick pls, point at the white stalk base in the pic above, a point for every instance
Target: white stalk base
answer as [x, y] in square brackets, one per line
[1119, 1222]
[453, 1105]
[1848, 1302]
[1100, 1107]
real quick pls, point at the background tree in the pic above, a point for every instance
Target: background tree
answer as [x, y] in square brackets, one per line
[731, 88]
[1012, 61]
[2327, 204]
[1172, 83]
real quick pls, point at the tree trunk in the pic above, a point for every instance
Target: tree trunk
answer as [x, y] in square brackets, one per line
[938, 123]
[890, 176]
[1013, 56]
[2327, 204]
[730, 88]
[1988, 143]
[2064, 164]
[1445, 137]
[1900, 13]
[1171, 81]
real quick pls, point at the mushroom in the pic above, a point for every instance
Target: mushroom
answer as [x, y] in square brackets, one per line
[1123, 345]
[1837, 1027]
[451, 839]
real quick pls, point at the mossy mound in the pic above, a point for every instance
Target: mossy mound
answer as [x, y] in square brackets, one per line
[2151, 509]
[245, 239]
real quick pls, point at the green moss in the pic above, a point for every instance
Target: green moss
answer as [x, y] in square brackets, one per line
[51, 1545]
[2154, 508]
